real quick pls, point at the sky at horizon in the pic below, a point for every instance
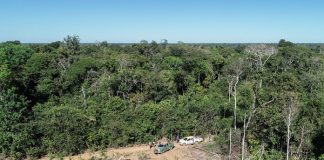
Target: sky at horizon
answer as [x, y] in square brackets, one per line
[129, 21]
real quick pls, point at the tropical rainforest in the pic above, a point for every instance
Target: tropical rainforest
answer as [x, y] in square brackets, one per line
[257, 101]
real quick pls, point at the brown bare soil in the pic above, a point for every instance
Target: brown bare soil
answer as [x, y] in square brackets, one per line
[143, 152]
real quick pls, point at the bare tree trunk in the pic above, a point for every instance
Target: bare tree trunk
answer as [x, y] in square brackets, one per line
[245, 127]
[230, 88]
[301, 142]
[261, 68]
[288, 133]
[262, 150]
[243, 138]
[246, 124]
[292, 110]
[235, 100]
[230, 145]
[229, 92]
[84, 96]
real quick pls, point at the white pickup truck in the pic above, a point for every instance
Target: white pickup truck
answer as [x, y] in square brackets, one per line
[190, 140]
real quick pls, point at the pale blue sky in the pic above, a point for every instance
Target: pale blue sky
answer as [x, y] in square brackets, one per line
[219, 21]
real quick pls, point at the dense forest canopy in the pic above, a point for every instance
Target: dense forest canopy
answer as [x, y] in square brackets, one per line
[64, 97]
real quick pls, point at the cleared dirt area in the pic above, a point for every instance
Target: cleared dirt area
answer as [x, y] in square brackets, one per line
[191, 152]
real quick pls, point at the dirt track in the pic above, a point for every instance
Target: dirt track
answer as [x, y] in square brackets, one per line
[191, 152]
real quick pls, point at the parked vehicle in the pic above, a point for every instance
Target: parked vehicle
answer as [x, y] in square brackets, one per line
[187, 140]
[190, 140]
[163, 147]
[198, 139]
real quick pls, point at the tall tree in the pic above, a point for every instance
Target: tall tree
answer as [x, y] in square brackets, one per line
[72, 44]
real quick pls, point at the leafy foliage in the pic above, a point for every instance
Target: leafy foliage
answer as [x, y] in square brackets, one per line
[64, 97]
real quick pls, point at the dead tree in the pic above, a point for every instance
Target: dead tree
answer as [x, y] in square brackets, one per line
[230, 144]
[237, 77]
[290, 112]
[261, 54]
[246, 124]
[230, 89]
[124, 63]
[243, 138]
[301, 142]
[84, 96]
[236, 72]
[247, 120]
